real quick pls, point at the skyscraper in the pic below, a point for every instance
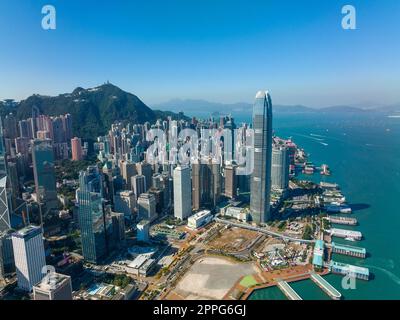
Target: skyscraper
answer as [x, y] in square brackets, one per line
[5, 223]
[29, 256]
[280, 168]
[95, 225]
[182, 193]
[230, 181]
[261, 177]
[206, 185]
[3, 159]
[144, 169]
[43, 171]
[147, 207]
[76, 149]
[138, 185]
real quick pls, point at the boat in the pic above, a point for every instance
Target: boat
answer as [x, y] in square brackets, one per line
[350, 239]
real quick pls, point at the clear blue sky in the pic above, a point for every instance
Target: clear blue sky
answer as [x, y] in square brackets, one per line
[217, 50]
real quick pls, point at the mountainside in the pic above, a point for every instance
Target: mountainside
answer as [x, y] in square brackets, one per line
[93, 110]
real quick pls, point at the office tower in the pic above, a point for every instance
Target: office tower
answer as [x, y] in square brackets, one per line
[10, 127]
[147, 207]
[143, 231]
[54, 286]
[156, 181]
[7, 265]
[25, 129]
[94, 223]
[13, 182]
[144, 169]
[58, 130]
[230, 181]
[5, 223]
[261, 177]
[29, 256]
[139, 185]
[125, 202]
[206, 185]
[44, 175]
[118, 225]
[22, 145]
[159, 197]
[67, 126]
[128, 170]
[280, 168]
[76, 149]
[182, 193]
[3, 156]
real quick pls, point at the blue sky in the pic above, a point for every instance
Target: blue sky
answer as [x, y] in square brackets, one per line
[216, 50]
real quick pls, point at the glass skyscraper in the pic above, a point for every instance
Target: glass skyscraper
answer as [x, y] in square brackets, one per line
[260, 186]
[43, 171]
[95, 224]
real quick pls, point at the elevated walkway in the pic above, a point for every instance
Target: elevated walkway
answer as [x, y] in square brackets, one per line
[288, 290]
[326, 286]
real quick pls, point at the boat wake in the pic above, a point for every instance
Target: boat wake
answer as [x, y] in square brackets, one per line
[391, 275]
[317, 135]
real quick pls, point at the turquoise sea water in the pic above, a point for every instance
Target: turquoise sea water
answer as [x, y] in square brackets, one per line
[363, 152]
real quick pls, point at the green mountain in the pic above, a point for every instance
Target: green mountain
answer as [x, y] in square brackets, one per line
[93, 110]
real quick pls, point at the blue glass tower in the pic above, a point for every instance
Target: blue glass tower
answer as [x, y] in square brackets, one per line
[95, 225]
[260, 186]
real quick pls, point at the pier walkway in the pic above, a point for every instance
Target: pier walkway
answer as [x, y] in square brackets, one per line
[326, 286]
[288, 290]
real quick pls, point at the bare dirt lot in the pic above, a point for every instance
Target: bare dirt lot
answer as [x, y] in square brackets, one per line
[234, 239]
[210, 278]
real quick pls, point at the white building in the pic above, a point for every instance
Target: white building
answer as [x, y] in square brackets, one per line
[199, 219]
[182, 193]
[54, 286]
[29, 256]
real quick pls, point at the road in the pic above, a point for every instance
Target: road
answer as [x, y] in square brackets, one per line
[263, 230]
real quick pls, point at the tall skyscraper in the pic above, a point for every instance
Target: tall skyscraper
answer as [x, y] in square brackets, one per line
[138, 185]
[230, 181]
[144, 169]
[3, 157]
[43, 171]
[29, 256]
[128, 170]
[5, 223]
[76, 149]
[7, 264]
[95, 225]
[280, 168]
[261, 177]
[182, 193]
[206, 185]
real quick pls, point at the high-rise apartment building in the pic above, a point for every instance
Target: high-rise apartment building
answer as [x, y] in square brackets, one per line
[280, 168]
